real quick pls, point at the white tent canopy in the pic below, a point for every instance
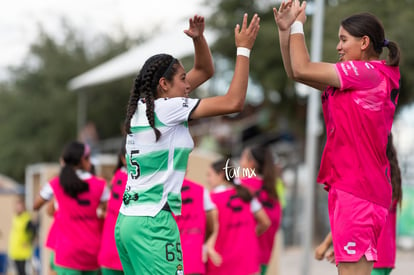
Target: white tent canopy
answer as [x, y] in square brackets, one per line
[130, 62]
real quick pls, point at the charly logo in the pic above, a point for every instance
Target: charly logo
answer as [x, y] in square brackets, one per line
[348, 246]
[238, 172]
[180, 270]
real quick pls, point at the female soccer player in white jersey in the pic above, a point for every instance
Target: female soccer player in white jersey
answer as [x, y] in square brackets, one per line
[158, 144]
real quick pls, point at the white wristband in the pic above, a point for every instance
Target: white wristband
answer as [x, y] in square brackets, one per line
[297, 27]
[243, 51]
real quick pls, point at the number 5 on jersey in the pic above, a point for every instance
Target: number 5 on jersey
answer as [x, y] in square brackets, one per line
[135, 169]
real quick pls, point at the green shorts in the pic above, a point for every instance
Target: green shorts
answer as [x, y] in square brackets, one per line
[108, 271]
[60, 270]
[381, 271]
[149, 245]
[52, 260]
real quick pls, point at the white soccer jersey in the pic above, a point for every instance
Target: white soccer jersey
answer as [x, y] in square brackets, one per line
[156, 169]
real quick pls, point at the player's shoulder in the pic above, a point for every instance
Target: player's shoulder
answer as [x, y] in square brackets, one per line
[175, 102]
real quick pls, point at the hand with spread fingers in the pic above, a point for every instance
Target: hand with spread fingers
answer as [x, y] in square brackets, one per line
[246, 36]
[288, 13]
[196, 26]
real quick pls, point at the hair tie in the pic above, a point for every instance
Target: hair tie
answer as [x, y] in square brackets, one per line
[385, 43]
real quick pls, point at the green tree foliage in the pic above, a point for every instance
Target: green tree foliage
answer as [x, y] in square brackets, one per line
[38, 114]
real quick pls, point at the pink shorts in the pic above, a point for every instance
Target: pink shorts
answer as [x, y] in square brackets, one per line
[355, 225]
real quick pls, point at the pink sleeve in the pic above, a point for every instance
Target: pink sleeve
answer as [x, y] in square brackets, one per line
[357, 75]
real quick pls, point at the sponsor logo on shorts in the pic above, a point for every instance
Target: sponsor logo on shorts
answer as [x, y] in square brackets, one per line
[180, 270]
[348, 246]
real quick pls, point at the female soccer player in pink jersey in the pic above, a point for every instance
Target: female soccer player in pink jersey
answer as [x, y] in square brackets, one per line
[359, 100]
[79, 195]
[198, 225]
[241, 219]
[386, 247]
[261, 181]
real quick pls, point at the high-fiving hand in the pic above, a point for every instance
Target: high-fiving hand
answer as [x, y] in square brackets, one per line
[196, 26]
[246, 36]
[288, 13]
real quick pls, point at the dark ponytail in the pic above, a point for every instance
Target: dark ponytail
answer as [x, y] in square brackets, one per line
[265, 167]
[393, 53]
[219, 167]
[243, 193]
[72, 185]
[395, 171]
[146, 87]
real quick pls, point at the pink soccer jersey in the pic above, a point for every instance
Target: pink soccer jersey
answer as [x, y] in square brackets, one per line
[78, 225]
[386, 245]
[358, 119]
[254, 184]
[52, 235]
[236, 241]
[274, 212]
[108, 255]
[192, 226]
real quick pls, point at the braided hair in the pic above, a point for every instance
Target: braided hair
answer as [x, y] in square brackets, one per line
[146, 87]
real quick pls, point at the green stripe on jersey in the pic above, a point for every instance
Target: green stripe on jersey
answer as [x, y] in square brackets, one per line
[157, 122]
[151, 195]
[174, 201]
[181, 158]
[148, 164]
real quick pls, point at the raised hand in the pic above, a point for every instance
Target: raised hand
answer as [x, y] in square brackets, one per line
[288, 12]
[196, 26]
[302, 14]
[246, 36]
